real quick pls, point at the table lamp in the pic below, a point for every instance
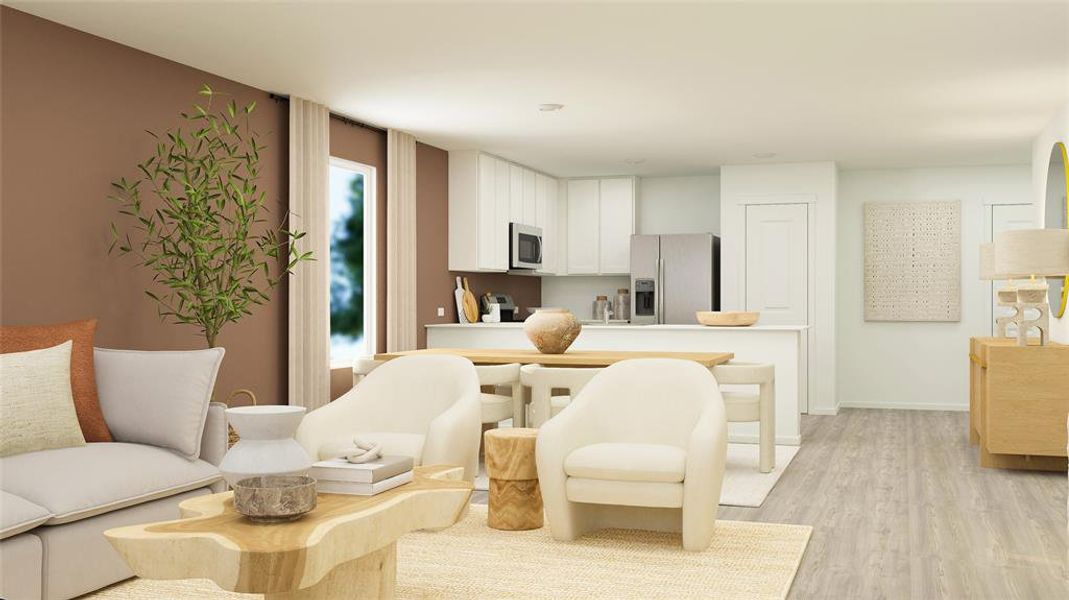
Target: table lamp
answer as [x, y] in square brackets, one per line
[1039, 253]
[1007, 296]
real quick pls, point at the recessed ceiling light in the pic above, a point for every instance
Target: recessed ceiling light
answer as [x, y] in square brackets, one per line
[634, 161]
[764, 155]
[550, 107]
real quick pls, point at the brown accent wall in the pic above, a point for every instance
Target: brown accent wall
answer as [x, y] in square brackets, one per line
[368, 146]
[435, 283]
[73, 111]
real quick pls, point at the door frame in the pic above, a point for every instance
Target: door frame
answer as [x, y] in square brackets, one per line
[807, 379]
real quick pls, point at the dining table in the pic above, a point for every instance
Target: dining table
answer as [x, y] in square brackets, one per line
[571, 358]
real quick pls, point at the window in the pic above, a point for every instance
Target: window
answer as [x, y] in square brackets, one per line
[352, 264]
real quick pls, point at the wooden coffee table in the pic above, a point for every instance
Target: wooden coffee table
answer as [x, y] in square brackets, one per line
[345, 548]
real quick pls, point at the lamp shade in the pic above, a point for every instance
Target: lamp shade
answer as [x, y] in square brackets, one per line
[987, 266]
[1038, 252]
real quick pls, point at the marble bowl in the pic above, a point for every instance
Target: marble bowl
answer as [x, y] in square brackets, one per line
[729, 318]
[275, 498]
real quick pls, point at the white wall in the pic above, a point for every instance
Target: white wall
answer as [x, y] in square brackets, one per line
[1057, 130]
[915, 365]
[811, 183]
[678, 205]
[577, 292]
[663, 205]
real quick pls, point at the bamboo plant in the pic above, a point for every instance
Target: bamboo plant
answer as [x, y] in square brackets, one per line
[204, 232]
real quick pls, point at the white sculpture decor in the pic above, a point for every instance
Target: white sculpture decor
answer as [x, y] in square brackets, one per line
[913, 261]
[266, 446]
[360, 452]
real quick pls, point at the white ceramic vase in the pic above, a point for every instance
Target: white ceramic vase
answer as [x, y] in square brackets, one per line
[552, 330]
[266, 446]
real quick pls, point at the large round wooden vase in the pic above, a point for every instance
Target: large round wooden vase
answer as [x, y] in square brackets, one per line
[552, 330]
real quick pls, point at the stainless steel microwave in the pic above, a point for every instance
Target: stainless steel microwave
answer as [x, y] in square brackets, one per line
[525, 246]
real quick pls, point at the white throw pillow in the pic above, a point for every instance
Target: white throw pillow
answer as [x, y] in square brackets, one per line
[36, 404]
[159, 398]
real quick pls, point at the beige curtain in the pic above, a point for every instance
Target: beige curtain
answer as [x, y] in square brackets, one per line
[401, 325]
[309, 287]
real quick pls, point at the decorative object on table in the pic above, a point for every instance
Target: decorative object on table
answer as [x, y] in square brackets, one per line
[1007, 295]
[339, 469]
[359, 451]
[266, 445]
[232, 434]
[356, 488]
[275, 498]
[1056, 216]
[327, 554]
[728, 318]
[552, 330]
[913, 261]
[458, 295]
[623, 304]
[1037, 253]
[205, 177]
[515, 499]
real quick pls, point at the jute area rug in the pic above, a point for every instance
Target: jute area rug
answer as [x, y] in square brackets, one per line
[470, 560]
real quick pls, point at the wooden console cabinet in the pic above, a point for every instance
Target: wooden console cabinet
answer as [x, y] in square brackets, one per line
[1018, 403]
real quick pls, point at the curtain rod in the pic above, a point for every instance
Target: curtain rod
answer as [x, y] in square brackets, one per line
[334, 115]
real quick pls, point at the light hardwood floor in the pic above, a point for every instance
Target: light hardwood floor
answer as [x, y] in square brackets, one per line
[900, 508]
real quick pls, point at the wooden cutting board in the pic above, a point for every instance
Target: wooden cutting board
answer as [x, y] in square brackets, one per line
[471, 307]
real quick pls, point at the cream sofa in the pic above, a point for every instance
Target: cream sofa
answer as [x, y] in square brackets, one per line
[56, 504]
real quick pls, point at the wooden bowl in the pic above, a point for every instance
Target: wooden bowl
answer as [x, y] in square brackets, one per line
[727, 319]
[275, 498]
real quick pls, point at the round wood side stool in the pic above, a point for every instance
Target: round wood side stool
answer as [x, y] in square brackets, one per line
[515, 499]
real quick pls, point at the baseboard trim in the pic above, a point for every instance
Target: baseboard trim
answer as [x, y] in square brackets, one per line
[907, 406]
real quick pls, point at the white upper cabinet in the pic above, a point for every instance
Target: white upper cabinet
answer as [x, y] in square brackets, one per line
[617, 222]
[583, 209]
[486, 193]
[601, 219]
[546, 218]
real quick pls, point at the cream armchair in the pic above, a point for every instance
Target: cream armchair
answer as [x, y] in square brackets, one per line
[642, 446]
[426, 407]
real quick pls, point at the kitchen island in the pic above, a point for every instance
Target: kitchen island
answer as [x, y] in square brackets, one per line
[782, 345]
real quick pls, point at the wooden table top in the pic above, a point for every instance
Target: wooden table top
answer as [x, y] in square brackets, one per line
[571, 358]
[213, 541]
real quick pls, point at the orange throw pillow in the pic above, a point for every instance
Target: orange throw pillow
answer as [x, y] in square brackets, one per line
[22, 338]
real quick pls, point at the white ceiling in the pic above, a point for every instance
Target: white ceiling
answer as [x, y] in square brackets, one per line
[687, 87]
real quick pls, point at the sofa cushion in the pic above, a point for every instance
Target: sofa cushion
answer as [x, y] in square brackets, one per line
[402, 444]
[75, 483]
[627, 462]
[18, 514]
[624, 493]
[36, 401]
[159, 398]
[20, 338]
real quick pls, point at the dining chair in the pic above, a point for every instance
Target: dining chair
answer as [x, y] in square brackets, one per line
[742, 407]
[543, 380]
[497, 407]
[363, 365]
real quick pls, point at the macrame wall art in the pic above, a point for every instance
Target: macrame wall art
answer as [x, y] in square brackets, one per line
[913, 261]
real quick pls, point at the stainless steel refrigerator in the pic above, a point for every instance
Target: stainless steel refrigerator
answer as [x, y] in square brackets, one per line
[674, 276]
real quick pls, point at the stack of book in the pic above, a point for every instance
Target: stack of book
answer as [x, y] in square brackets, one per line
[339, 476]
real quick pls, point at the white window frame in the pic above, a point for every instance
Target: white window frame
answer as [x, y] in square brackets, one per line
[370, 258]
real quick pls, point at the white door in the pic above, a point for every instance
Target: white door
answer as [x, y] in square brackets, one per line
[617, 220]
[583, 226]
[1007, 217]
[501, 218]
[777, 261]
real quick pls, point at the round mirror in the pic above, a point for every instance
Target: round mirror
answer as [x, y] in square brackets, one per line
[1056, 216]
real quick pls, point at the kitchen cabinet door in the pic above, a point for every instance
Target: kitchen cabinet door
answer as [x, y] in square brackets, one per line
[530, 198]
[515, 193]
[486, 215]
[501, 213]
[617, 223]
[546, 200]
[583, 230]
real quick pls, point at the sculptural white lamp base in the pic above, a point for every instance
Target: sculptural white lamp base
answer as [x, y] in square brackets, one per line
[266, 446]
[1007, 297]
[1032, 296]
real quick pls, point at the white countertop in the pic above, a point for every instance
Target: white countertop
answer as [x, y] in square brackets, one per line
[629, 327]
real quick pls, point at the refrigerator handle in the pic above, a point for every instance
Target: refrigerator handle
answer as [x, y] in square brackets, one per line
[660, 291]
